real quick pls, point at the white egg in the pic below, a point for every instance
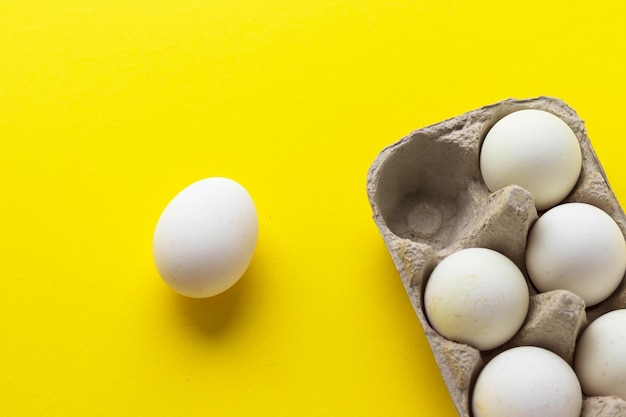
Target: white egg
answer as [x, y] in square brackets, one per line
[576, 247]
[600, 357]
[535, 150]
[527, 381]
[205, 238]
[476, 296]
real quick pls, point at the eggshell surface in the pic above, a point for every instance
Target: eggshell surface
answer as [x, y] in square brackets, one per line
[576, 247]
[205, 238]
[476, 296]
[600, 359]
[535, 150]
[527, 381]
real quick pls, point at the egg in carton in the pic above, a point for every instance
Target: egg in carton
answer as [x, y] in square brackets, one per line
[429, 200]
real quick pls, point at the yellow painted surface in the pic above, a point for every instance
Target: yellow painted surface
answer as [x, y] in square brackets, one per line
[109, 108]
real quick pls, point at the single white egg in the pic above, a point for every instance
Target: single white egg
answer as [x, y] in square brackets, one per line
[576, 247]
[205, 238]
[476, 296]
[527, 381]
[600, 357]
[535, 150]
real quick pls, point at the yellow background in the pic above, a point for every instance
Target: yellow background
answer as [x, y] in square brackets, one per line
[110, 108]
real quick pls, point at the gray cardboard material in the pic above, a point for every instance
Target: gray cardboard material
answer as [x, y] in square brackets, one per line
[428, 201]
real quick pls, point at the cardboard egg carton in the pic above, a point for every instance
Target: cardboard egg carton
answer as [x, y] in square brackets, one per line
[429, 200]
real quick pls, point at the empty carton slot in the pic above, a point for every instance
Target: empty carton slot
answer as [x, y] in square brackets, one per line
[422, 199]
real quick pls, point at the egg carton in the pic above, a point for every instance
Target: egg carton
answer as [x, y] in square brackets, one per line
[429, 200]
